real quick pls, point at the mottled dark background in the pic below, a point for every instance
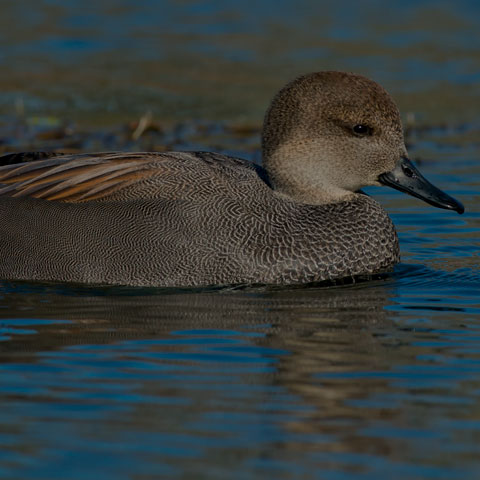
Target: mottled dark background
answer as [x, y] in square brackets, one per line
[101, 61]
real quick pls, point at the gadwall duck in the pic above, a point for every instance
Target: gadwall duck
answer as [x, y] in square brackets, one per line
[200, 218]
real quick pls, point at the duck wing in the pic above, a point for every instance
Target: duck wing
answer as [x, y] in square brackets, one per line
[104, 176]
[71, 178]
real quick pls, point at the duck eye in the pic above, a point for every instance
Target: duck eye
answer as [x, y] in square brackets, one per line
[361, 129]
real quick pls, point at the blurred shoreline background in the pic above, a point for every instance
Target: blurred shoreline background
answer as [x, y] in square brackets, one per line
[96, 64]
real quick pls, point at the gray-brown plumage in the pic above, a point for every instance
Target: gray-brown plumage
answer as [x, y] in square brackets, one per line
[196, 219]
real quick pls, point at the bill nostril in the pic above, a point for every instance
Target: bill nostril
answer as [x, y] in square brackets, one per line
[407, 171]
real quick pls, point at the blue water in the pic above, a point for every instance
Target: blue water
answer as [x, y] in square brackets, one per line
[374, 380]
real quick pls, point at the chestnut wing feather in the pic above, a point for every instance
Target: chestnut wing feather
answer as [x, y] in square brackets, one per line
[72, 178]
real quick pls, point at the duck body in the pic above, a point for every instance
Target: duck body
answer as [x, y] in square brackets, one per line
[199, 219]
[221, 224]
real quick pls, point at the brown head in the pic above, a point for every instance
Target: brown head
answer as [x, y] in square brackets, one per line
[328, 134]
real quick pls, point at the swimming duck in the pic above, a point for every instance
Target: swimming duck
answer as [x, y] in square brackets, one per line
[201, 218]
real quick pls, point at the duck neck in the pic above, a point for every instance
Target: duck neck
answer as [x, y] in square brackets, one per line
[300, 177]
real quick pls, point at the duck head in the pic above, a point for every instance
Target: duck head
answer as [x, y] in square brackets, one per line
[328, 134]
